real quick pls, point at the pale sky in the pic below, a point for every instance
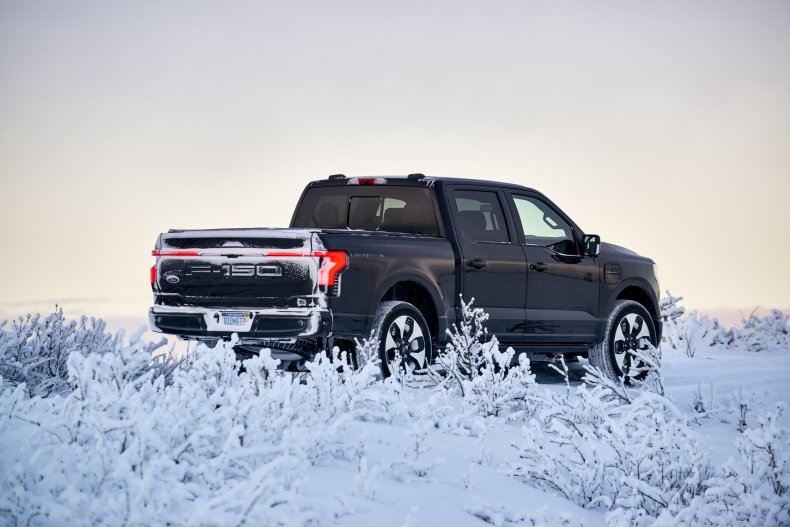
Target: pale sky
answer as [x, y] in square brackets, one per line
[662, 126]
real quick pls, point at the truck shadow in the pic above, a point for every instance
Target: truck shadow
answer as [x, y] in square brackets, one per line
[544, 374]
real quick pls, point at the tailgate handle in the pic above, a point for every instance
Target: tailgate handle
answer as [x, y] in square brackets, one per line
[477, 263]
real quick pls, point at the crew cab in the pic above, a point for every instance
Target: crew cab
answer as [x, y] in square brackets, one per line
[392, 257]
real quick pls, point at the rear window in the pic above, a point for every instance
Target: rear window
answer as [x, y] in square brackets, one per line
[371, 208]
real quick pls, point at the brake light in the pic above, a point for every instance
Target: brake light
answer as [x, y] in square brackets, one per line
[367, 181]
[157, 252]
[331, 264]
[153, 275]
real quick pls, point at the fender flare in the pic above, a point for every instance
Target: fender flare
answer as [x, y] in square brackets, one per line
[427, 285]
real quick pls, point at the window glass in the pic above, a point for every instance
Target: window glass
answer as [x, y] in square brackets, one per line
[542, 226]
[481, 216]
[376, 207]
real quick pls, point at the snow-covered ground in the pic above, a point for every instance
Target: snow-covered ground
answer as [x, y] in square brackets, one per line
[98, 443]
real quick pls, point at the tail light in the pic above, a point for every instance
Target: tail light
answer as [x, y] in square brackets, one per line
[153, 275]
[332, 263]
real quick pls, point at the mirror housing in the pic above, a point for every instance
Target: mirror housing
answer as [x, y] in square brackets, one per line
[592, 244]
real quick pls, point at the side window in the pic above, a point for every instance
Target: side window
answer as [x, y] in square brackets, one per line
[542, 226]
[481, 216]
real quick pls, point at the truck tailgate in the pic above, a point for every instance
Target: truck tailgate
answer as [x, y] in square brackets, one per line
[239, 267]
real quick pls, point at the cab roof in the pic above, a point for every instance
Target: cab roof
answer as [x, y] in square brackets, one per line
[420, 180]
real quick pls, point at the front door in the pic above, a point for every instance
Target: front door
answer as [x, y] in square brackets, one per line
[562, 284]
[494, 268]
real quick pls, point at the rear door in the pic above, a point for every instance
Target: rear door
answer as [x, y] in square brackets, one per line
[493, 265]
[562, 284]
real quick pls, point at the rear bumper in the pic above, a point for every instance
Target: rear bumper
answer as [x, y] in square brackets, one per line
[197, 322]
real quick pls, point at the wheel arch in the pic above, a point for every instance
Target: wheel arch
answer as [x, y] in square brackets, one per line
[640, 293]
[418, 292]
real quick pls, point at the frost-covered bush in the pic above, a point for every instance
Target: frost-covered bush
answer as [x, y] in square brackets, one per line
[670, 308]
[367, 351]
[604, 447]
[691, 332]
[35, 350]
[500, 515]
[648, 363]
[762, 333]
[753, 489]
[489, 380]
[212, 445]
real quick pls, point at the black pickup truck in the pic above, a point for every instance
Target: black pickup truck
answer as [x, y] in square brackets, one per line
[393, 256]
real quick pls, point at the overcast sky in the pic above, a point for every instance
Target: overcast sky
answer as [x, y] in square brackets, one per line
[661, 126]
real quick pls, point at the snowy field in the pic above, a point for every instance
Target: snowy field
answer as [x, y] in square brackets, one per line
[94, 431]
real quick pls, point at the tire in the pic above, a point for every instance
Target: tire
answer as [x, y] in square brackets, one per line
[399, 326]
[629, 327]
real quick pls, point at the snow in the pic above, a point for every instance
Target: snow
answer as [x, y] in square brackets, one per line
[108, 440]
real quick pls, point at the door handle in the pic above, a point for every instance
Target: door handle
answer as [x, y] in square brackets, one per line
[477, 263]
[539, 267]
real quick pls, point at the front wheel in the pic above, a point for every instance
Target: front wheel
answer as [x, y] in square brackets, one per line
[629, 328]
[404, 340]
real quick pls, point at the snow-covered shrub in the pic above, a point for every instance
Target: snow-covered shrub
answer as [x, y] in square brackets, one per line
[462, 358]
[35, 350]
[693, 332]
[341, 390]
[489, 379]
[753, 489]
[670, 308]
[417, 463]
[501, 515]
[690, 332]
[672, 313]
[697, 332]
[762, 333]
[367, 351]
[212, 445]
[648, 362]
[604, 447]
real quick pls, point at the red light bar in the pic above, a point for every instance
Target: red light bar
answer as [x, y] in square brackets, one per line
[367, 181]
[333, 263]
[157, 252]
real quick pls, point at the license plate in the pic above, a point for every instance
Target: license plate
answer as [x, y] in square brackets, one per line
[234, 318]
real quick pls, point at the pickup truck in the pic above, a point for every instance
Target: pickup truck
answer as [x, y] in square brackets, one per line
[392, 257]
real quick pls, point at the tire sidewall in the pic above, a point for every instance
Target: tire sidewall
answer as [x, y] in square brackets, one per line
[391, 310]
[621, 310]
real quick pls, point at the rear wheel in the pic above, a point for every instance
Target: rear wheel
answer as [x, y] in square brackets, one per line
[629, 328]
[404, 340]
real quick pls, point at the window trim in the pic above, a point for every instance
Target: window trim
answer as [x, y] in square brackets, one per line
[521, 238]
[503, 205]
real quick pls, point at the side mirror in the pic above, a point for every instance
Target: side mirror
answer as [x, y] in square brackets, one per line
[592, 244]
